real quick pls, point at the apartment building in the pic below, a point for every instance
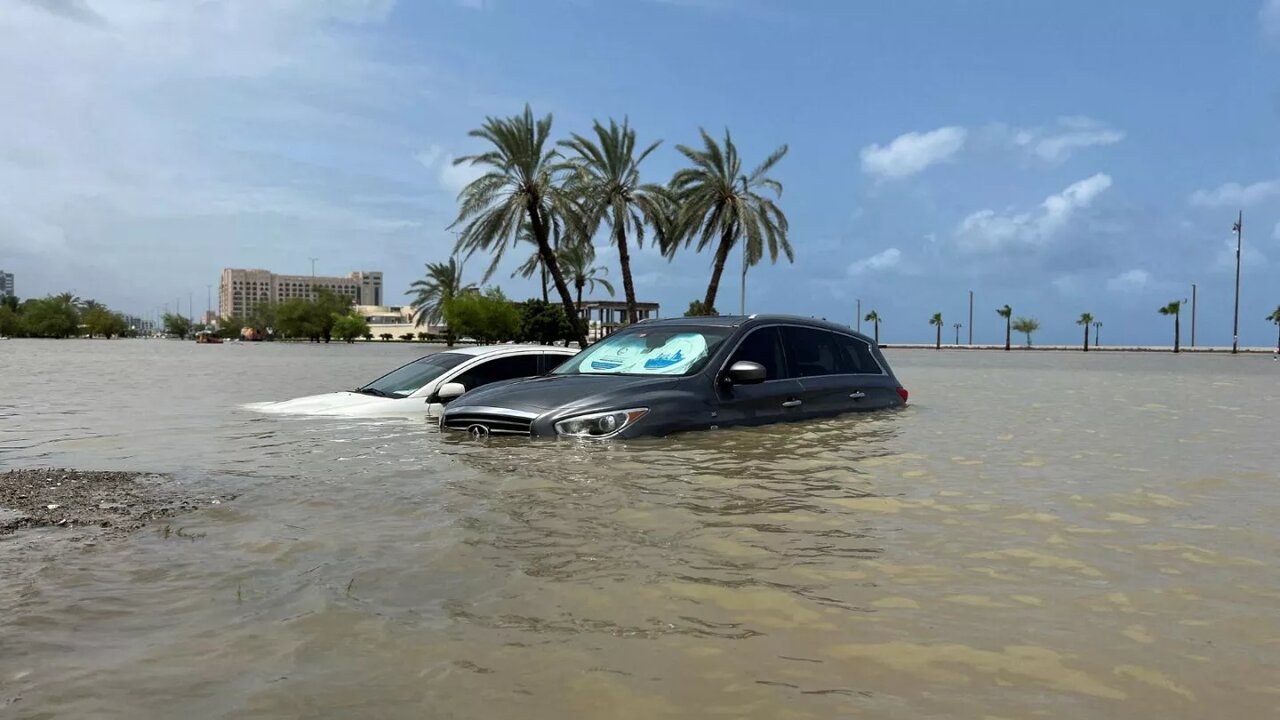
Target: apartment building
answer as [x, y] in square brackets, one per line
[241, 290]
[6, 284]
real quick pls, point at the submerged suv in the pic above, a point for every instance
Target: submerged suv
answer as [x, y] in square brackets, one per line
[664, 376]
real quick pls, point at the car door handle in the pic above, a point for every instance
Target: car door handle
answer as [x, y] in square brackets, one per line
[792, 403]
[857, 395]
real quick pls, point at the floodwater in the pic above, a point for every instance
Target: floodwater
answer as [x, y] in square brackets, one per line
[1037, 535]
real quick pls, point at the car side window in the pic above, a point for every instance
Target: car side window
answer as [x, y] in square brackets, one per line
[857, 357]
[813, 352]
[504, 368]
[763, 346]
[551, 361]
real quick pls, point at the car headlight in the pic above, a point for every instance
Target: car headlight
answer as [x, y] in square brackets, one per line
[600, 425]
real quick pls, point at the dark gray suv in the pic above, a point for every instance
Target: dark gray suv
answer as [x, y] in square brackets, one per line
[664, 376]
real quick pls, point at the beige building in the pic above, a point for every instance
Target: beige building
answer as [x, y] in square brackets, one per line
[242, 290]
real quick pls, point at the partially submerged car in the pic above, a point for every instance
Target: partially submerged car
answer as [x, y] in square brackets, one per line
[664, 376]
[423, 386]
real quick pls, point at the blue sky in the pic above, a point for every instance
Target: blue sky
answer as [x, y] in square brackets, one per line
[1060, 157]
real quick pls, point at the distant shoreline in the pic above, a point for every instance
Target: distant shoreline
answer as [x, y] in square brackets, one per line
[1077, 348]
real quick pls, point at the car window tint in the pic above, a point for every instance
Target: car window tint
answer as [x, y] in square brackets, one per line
[551, 361]
[856, 356]
[762, 346]
[813, 351]
[505, 368]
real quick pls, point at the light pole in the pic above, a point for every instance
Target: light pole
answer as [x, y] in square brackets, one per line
[957, 326]
[1097, 325]
[970, 317]
[859, 314]
[1235, 326]
[1193, 314]
[313, 266]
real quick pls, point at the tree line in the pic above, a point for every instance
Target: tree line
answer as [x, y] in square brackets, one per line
[60, 316]
[1028, 325]
[554, 197]
[325, 316]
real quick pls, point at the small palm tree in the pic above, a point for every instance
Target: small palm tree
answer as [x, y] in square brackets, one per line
[524, 182]
[442, 283]
[937, 320]
[607, 180]
[576, 261]
[1097, 325]
[1175, 309]
[1275, 318]
[874, 317]
[1086, 320]
[721, 207]
[1027, 326]
[534, 262]
[1006, 312]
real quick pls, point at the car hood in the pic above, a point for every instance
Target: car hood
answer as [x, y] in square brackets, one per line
[341, 404]
[567, 392]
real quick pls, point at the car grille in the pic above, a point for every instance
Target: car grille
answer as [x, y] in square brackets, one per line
[495, 424]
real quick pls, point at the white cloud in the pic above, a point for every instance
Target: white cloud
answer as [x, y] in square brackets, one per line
[1269, 17]
[452, 178]
[1236, 195]
[912, 152]
[989, 231]
[182, 115]
[884, 260]
[1130, 281]
[1069, 134]
[1275, 234]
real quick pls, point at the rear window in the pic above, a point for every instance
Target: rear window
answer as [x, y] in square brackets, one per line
[857, 357]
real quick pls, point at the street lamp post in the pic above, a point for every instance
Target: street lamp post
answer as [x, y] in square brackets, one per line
[1193, 314]
[859, 314]
[957, 326]
[1235, 326]
[970, 317]
[313, 266]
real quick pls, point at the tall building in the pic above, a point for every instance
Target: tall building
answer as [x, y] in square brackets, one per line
[6, 284]
[242, 290]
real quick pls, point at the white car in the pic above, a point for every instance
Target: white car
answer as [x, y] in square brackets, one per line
[422, 387]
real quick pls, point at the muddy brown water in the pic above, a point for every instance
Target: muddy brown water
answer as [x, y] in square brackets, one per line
[1037, 535]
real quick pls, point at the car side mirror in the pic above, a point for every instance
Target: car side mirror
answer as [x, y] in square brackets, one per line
[449, 391]
[745, 372]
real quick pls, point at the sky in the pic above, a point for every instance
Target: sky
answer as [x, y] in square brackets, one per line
[1059, 157]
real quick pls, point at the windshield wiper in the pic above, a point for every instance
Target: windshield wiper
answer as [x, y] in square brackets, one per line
[372, 391]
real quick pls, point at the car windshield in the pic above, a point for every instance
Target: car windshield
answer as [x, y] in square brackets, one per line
[648, 351]
[406, 380]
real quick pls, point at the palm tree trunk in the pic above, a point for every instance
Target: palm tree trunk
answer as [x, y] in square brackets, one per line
[1008, 333]
[1086, 337]
[542, 268]
[624, 262]
[722, 255]
[1177, 332]
[939, 345]
[877, 333]
[549, 261]
[579, 283]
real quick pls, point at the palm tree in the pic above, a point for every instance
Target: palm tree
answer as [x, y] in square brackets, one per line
[576, 261]
[534, 262]
[442, 283]
[1275, 318]
[937, 320]
[1026, 326]
[607, 179]
[524, 182]
[1097, 325]
[1175, 309]
[1086, 320]
[874, 317]
[1006, 312]
[719, 206]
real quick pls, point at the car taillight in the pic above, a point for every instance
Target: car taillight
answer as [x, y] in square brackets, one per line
[902, 393]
